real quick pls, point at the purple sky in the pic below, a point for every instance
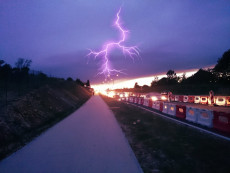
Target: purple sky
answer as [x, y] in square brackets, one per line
[171, 34]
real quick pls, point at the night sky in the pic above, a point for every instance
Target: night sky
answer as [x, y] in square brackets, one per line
[171, 34]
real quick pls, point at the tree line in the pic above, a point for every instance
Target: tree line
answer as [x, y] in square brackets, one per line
[19, 79]
[217, 78]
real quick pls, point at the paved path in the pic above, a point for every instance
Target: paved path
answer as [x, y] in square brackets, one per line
[88, 141]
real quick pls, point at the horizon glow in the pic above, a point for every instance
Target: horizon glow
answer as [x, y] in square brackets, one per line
[132, 51]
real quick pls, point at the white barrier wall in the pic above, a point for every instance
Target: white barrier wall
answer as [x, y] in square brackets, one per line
[172, 109]
[205, 117]
[220, 100]
[191, 114]
[165, 107]
[203, 99]
[197, 99]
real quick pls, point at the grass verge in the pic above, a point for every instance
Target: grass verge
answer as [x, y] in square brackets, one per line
[161, 145]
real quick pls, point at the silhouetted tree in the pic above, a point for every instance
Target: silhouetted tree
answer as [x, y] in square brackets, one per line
[222, 67]
[69, 79]
[201, 77]
[136, 86]
[21, 72]
[171, 74]
[5, 73]
[88, 83]
[79, 82]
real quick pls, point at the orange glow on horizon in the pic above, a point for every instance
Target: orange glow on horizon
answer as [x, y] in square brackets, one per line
[129, 83]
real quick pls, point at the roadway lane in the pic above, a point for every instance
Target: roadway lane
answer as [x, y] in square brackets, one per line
[88, 141]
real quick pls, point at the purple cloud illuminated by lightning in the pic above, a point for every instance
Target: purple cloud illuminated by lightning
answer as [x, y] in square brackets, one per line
[104, 53]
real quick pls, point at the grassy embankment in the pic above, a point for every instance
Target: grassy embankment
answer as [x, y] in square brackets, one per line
[33, 113]
[161, 145]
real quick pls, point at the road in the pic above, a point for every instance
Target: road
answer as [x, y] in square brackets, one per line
[88, 141]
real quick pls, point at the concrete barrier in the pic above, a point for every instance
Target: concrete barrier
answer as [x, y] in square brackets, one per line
[197, 99]
[146, 102]
[172, 109]
[220, 100]
[150, 103]
[205, 117]
[181, 111]
[181, 98]
[221, 121]
[204, 100]
[159, 105]
[191, 99]
[141, 101]
[228, 101]
[185, 99]
[191, 114]
[165, 107]
[154, 104]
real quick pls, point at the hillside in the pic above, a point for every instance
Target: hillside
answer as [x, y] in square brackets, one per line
[31, 114]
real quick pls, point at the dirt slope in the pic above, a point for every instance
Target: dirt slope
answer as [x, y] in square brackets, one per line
[30, 115]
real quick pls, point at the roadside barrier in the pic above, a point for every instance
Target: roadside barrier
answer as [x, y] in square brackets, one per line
[154, 104]
[185, 99]
[220, 100]
[165, 107]
[172, 109]
[205, 117]
[133, 100]
[227, 101]
[176, 98]
[191, 99]
[159, 106]
[221, 121]
[141, 100]
[136, 100]
[181, 111]
[122, 98]
[197, 99]
[146, 102]
[191, 114]
[150, 103]
[181, 98]
[204, 100]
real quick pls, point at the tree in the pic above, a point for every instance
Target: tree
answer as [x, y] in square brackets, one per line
[201, 77]
[136, 86]
[5, 73]
[21, 72]
[88, 83]
[222, 67]
[79, 82]
[69, 79]
[171, 74]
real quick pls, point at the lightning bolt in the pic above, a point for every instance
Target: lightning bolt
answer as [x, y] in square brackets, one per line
[104, 53]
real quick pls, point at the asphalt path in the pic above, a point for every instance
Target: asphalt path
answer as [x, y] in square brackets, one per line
[88, 141]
